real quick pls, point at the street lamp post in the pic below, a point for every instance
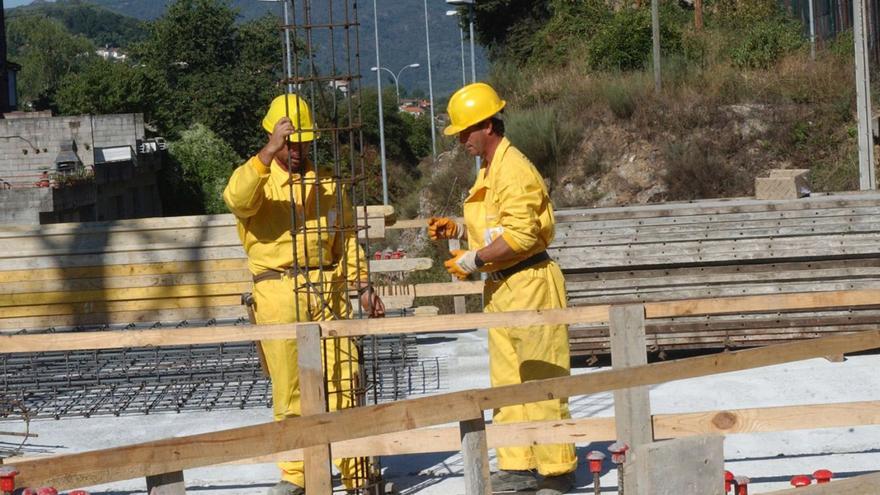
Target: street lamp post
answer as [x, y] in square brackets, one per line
[461, 34]
[430, 86]
[381, 118]
[288, 70]
[470, 5]
[394, 76]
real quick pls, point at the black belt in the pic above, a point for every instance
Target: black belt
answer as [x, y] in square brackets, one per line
[290, 272]
[529, 262]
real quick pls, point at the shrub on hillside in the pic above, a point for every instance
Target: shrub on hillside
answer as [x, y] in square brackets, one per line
[544, 136]
[697, 170]
[765, 42]
[624, 43]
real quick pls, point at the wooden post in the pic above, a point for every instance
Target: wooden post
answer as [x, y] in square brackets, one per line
[166, 484]
[632, 406]
[698, 15]
[475, 457]
[457, 301]
[313, 400]
[867, 179]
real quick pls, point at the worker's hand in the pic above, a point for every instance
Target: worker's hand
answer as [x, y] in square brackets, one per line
[371, 303]
[462, 263]
[283, 129]
[445, 228]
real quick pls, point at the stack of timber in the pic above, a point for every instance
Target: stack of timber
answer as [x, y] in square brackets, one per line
[721, 248]
[148, 273]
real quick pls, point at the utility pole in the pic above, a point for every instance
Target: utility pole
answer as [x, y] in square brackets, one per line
[867, 180]
[655, 30]
[698, 15]
[430, 87]
[381, 118]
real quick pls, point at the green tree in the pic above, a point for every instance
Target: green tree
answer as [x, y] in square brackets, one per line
[204, 162]
[47, 52]
[221, 75]
[111, 87]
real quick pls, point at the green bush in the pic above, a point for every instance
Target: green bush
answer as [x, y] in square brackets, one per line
[206, 162]
[621, 99]
[544, 136]
[765, 42]
[625, 42]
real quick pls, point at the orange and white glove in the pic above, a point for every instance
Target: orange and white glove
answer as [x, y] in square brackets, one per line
[445, 228]
[462, 263]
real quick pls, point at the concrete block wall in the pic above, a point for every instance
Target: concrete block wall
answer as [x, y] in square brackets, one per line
[23, 206]
[19, 158]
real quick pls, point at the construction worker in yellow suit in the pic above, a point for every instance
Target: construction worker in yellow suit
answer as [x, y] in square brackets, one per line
[314, 286]
[508, 224]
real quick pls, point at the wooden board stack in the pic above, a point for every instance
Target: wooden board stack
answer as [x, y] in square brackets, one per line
[722, 248]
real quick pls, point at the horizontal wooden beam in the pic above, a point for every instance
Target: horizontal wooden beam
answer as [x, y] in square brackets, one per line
[175, 454]
[433, 324]
[584, 430]
[338, 328]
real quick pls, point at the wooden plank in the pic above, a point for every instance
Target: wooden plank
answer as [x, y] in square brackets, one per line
[125, 270]
[747, 304]
[335, 328]
[429, 324]
[768, 419]
[313, 401]
[632, 407]
[475, 457]
[118, 306]
[132, 294]
[160, 316]
[868, 484]
[91, 468]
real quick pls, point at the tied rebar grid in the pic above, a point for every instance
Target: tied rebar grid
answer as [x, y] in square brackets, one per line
[179, 378]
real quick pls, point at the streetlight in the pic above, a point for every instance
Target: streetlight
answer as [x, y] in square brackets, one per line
[396, 77]
[470, 4]
[461, 32]
[430, 87]
[381, 117]
[288, 71]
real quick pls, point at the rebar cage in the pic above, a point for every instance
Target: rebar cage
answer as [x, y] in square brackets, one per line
[322, 66]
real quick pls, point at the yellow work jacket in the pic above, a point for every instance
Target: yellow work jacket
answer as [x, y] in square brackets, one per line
[259, 197]
[511, 202]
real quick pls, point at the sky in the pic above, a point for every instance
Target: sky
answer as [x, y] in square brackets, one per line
[15, 3]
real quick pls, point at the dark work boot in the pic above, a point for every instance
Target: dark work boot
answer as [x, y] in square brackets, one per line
[513, 481]
[284, 487]
[556, 485]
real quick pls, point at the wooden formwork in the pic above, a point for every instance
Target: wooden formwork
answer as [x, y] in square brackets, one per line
[354, 430]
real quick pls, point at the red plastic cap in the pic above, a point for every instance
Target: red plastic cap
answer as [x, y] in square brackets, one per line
[7, 478]
[742, 485]
[618, 452]
[823, 476]
[78, 492]
[28, 491]
[801, 480]
[728, 481]
[47, 490]
[595, 457]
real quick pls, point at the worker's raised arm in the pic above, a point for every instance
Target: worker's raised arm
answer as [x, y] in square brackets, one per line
[244, 192]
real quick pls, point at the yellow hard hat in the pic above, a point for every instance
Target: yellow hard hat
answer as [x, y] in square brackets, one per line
[471, 105]
[297, 109]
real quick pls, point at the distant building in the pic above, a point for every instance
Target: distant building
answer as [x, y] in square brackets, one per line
[77, 169]
[111, 53]
[415, 106]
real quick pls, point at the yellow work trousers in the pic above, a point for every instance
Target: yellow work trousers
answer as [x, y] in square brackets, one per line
[521, 354]
[275, 302]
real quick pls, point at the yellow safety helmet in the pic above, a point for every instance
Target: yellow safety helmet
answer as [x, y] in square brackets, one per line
[471, 105]
[297, 109]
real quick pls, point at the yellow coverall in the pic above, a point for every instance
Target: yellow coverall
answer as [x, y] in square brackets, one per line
[512, 202]
[259, 196]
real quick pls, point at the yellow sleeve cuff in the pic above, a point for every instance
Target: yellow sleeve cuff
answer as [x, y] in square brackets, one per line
[258, 166]
[517, 247]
